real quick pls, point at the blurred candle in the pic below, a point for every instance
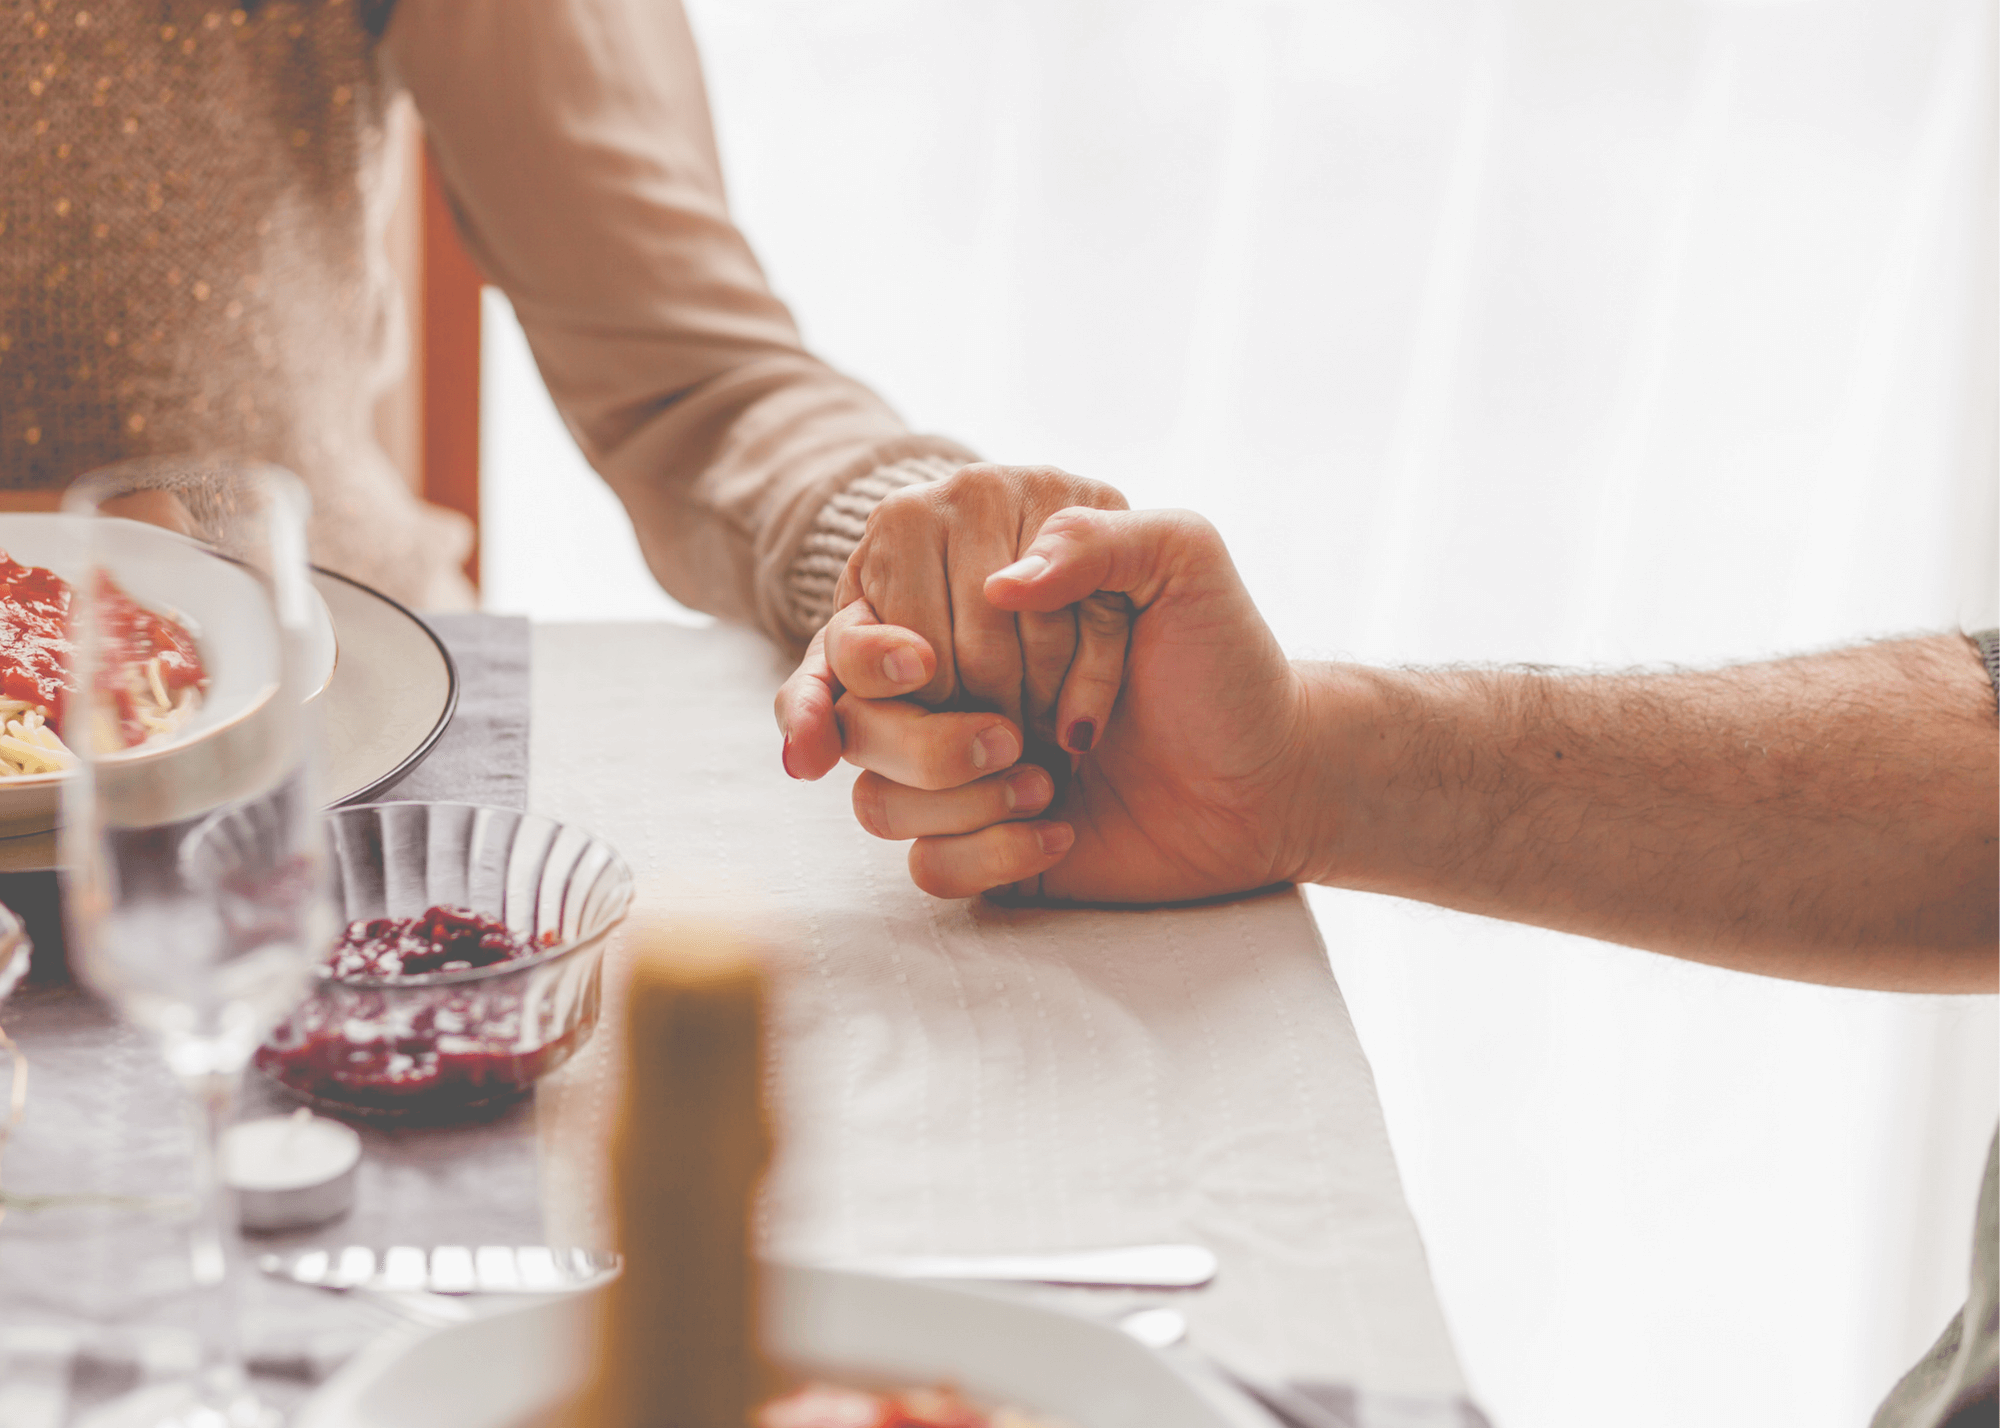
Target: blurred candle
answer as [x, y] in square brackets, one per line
[677, 1340]
[290, 1172]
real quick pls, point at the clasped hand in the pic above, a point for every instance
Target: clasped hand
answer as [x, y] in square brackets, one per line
[1053, 695]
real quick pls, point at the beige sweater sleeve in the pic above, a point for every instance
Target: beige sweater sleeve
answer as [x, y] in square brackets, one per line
[574, 138]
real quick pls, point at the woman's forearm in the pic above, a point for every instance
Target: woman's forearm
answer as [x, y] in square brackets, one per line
[1829, 818]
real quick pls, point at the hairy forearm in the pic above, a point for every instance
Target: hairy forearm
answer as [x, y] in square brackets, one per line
[1831, 818]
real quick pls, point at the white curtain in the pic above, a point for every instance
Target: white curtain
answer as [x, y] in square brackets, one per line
[1571, 331]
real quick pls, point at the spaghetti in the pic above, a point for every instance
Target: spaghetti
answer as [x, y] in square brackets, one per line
[152, 676]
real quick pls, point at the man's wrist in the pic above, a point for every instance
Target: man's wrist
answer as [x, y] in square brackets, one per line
[1392, 753]
[1353, 726]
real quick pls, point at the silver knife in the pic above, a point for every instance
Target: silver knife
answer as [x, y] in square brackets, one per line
[1123, 1267]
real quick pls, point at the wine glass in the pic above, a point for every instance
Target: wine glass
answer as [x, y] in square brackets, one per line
[192, 850]
[14, 952]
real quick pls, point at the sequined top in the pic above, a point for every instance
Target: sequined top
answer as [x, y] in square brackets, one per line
[192, 259]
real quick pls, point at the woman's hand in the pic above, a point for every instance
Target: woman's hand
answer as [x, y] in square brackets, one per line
[1207, 776]
[912, 620]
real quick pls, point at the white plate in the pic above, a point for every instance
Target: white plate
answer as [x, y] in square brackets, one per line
[167, 572]
[391, 694]
[511, 1369]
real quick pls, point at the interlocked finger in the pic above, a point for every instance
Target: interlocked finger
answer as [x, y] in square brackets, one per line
[919, 748]
[894, 811]
[1048, 647]
[1090, 688]
[993, 857]
[875, 660]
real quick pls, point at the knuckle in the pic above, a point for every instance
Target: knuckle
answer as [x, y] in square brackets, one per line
[1108, 498]
[850, 650]
[1014, 854]
[1196, 531]
[853, 613]
[1090, 693]
[989, 674]
[896, 516]
[931, 871]
[836, 650]
[1097, 495]
[943, 686]
[1051, 486]
[851, 721]
[936, 769]
[1107, 615]
[981, 476]
[978, 485]
[991, 865]
[1049, 661]
[1075, 520]
[871, 808]
[992, 859]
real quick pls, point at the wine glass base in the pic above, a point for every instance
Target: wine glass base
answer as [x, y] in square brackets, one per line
[177, 1405]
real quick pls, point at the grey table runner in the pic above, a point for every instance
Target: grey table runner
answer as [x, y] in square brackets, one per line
[92, 1298]
[482, 757]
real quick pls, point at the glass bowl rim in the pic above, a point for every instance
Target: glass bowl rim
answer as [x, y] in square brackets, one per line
[422, 980]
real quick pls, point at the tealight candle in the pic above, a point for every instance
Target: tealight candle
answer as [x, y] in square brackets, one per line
[290, 1172]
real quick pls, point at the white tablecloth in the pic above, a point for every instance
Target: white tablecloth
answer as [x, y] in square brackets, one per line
[961, 1077]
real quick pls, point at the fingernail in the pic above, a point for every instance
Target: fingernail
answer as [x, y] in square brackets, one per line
[1055, 838]
[1026, 568]
[1081, 733]
[1027, 788]
[994, 748]
[902, 666]
[785, 758]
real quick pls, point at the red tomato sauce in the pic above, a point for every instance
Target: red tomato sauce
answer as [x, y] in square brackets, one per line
[35, 647]
[34, 635]
[821, 1405]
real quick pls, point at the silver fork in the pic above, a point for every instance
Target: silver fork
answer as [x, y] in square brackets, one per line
[404, 1287]
[445, 1269]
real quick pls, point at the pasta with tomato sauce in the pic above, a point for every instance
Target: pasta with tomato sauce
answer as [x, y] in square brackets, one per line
[823, 1405]
[153, 675]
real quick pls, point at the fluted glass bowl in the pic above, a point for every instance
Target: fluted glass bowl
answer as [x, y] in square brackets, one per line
[443, 1044]
[14, 951]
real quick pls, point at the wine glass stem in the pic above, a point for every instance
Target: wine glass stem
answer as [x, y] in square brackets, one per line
[219, 1380]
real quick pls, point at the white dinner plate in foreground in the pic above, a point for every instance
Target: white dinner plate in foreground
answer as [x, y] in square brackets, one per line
[513, 1369]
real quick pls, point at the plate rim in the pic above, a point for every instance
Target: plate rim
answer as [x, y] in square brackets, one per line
[446, 713]
[334, 1402]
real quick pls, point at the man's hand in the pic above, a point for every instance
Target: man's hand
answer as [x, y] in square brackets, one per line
[1204, 779]
[912, 620]
[1829, 818]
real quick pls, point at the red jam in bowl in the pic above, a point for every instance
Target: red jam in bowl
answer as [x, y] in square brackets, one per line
[371, 1040]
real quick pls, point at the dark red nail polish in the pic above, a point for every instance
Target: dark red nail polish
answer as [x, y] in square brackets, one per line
[1081, 733]
[785, 758]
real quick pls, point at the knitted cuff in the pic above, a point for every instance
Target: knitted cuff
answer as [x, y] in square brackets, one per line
[815, 570]
[1989, 650]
